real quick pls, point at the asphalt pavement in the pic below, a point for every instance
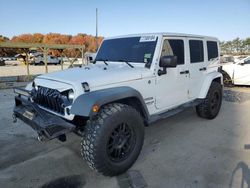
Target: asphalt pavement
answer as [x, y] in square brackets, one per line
[181, 151]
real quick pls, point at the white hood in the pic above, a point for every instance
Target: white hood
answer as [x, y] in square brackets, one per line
[95, 75]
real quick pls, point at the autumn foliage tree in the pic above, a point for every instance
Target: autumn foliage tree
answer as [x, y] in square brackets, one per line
[82, 39]
[27, 38]
[4, 52]
[3, 38]
[56, 38]
[38, 37]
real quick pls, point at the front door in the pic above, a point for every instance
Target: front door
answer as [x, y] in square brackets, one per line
[172, 87]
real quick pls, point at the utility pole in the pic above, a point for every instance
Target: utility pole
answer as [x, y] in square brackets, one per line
[96, 32]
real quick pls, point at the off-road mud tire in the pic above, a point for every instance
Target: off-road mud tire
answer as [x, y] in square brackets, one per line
[96, 140]
[210, 106]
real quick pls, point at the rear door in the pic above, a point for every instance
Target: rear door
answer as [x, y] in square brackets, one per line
[197, 66]
[172, 87]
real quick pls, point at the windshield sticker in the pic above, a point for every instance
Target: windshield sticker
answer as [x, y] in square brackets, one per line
[148, 56]
[149, 38]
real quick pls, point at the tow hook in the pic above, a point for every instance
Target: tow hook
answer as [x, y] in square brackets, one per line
[62, 138]
[41, 138]
[14, 118]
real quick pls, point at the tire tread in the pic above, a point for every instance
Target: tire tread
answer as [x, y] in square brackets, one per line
[203, 109]
[93, 131]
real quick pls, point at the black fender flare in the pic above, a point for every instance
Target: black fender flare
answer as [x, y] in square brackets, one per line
[83, 104]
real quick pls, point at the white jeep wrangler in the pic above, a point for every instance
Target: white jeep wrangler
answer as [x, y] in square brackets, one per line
[134, 81]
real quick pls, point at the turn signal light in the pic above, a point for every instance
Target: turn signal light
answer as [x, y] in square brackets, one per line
[95, 108]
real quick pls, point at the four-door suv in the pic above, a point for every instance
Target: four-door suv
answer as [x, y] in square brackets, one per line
[134, 81]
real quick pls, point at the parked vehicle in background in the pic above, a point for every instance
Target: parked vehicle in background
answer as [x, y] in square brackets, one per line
[227, 59]
[89, 57]
[9, 58]
[237, 73]
[51, 60]
[134, 81]
[2, 62]
[22, 58]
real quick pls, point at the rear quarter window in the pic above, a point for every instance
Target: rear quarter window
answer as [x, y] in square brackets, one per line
[212, 50]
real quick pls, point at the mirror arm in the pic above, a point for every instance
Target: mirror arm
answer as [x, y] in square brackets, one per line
[161, 72]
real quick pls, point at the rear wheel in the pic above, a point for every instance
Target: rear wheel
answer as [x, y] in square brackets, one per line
[210, 106]
[112, 142]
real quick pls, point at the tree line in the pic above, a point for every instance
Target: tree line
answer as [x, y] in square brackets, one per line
[236, 46]
[88, 41]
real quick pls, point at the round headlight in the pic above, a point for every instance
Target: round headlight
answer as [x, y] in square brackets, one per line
[71, 95]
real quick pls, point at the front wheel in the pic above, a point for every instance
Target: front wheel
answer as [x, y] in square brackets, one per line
[210, 106]
[113, 141]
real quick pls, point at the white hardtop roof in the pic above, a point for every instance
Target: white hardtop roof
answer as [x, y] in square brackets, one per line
[166, 35]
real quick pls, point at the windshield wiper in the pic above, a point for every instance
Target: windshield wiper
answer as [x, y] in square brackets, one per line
[126, 63]
[103, 60]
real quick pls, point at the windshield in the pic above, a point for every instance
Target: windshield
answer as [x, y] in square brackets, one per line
[133, 49]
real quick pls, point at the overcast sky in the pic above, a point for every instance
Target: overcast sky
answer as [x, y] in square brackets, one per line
[225, 19]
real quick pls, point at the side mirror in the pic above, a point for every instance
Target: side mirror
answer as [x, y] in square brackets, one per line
[168, 61]
[91, 60]
[165, 62]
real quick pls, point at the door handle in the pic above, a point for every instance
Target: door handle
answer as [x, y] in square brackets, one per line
[203, 69]
[184, 72]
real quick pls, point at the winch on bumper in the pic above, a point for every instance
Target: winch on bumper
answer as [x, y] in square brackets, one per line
[47, 125]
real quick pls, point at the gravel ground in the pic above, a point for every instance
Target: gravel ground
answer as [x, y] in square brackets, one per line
[14, 68]
[183, 151]
[237, 94]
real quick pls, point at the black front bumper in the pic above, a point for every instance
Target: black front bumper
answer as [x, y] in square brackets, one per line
[44, 123]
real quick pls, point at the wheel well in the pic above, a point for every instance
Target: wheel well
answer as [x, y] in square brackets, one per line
[218, 80]
[225, 73]
[227, 79]
[135, 103]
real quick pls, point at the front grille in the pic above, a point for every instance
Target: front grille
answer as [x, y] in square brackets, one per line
[50, 99]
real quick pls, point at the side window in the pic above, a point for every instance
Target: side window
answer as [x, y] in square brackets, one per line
[174, 47]
[247, 62]
[212, 50]
[196, 51]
